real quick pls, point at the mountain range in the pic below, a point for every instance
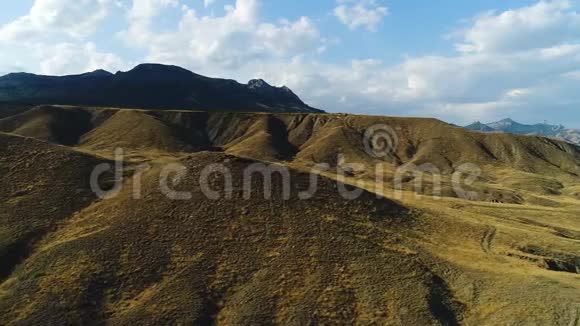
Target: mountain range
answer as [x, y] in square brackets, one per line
[150, 86]
[540, 129]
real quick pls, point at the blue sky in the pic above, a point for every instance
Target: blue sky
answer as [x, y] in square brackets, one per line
[456, 60]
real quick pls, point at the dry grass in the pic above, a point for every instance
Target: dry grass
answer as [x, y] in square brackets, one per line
[415, 260]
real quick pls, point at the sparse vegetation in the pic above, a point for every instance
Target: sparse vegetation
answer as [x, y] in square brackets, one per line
[70, 258]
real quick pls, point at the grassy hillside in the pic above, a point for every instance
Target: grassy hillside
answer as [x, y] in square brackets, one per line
[386, 257]
[8, 109]
[515, 168]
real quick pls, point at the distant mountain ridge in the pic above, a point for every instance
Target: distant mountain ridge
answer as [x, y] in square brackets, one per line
[541, 129]
[150, 86]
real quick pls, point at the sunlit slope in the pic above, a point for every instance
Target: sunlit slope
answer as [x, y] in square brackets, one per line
[233, 261]
[42, 185]
[515, 168]
[509, 257]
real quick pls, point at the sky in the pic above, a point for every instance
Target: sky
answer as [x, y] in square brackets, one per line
[455, 60]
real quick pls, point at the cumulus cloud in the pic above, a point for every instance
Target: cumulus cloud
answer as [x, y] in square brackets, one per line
[51, 38]
[574, 75]
[75, 18]
[72, 58]
[146, 9]
[58, 58]
[521, 61]
[361, 13]
[542, 25]
[235, 39]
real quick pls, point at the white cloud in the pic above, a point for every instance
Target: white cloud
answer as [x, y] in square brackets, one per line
[544, 24]
[51, 38]
[74, 18]
[208, 3]
[235, 39]
[71, 58]
[146, 9]
[478, 111]
[361, 13]
[574, 75]
[58, 59]
[517, 92]
[523, 61]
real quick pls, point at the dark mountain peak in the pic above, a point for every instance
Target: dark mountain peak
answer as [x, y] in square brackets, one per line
[100, 72]
[504, 125]
[263, 86]
[18, 75]
[507, 120]
[151, 86]
[28, 77]
[504, 122]
[543, 129]
[155, 71]
[478, 126]
[286, 89]
[157, 67]
[547, 125]
[258, 84]
[284, 94]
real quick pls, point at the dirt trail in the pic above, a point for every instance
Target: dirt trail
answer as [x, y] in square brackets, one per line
[487, 239]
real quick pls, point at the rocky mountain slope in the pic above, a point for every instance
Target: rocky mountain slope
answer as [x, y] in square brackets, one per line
[150, 86]
[541, 129]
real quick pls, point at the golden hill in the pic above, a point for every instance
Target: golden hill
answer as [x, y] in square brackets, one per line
[515, 168]
[510, 257]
